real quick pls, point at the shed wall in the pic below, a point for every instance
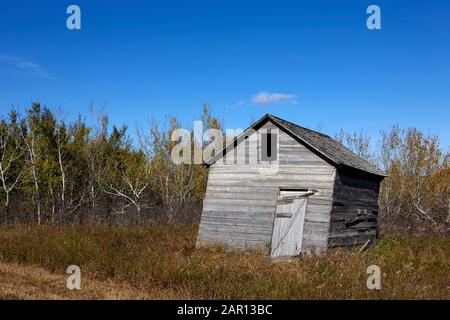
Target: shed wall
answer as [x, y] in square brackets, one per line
[240, 202]
[355, 209]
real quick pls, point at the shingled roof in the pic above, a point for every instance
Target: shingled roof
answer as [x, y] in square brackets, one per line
[329, 148]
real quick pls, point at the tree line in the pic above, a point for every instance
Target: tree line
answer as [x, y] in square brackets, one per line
[60, 172]
[415, 195]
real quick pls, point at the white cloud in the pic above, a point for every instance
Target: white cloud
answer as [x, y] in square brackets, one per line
[266, 98]
[23, 66]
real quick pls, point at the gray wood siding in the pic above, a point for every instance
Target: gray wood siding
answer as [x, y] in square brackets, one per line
[355, 209]
[240, 202]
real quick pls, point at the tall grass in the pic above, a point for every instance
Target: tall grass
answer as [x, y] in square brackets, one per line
[160, 257]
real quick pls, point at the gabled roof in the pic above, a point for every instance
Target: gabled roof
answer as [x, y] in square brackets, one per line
[330, 149]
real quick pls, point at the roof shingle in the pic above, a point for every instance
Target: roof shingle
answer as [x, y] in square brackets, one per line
[329, 147]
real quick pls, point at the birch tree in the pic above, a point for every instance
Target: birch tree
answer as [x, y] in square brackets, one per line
[11, 158]
[125, 176]
[33, 155]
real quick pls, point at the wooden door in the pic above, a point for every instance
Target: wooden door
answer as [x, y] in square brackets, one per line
[288, 225]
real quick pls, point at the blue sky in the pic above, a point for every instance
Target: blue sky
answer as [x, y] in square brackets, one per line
[311, 62]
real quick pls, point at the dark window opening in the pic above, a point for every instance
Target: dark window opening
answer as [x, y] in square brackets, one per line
[269, 146]
[294, 190]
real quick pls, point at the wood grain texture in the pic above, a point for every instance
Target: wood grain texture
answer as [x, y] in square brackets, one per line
[240, 201]
[355, 210]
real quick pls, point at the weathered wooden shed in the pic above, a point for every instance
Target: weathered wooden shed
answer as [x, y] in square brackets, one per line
[303, 191]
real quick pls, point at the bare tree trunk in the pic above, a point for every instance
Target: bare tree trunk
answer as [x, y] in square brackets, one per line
[10, 151]
[36, 196]
[62, 206]
[31, 149]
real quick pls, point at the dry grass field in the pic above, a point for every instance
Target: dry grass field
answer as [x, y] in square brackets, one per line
[161, 262]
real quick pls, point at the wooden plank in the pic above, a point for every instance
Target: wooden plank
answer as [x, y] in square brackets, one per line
[210, 201]
[288, 168]
[320, 199]
[223, 229]
[315, 227]
[270, 183]
[235, 236]
[239, 188]
[311, 177]
[324, 218]
[317, 208]
[299, 162]
[316, 238]
[239, 215]
[240, 195]
[238, 208]
[232, 244]
[261, 223]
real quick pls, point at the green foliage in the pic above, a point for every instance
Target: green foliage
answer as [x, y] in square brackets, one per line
[71, 173]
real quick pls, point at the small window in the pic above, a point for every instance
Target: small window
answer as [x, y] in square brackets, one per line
[269, 147]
